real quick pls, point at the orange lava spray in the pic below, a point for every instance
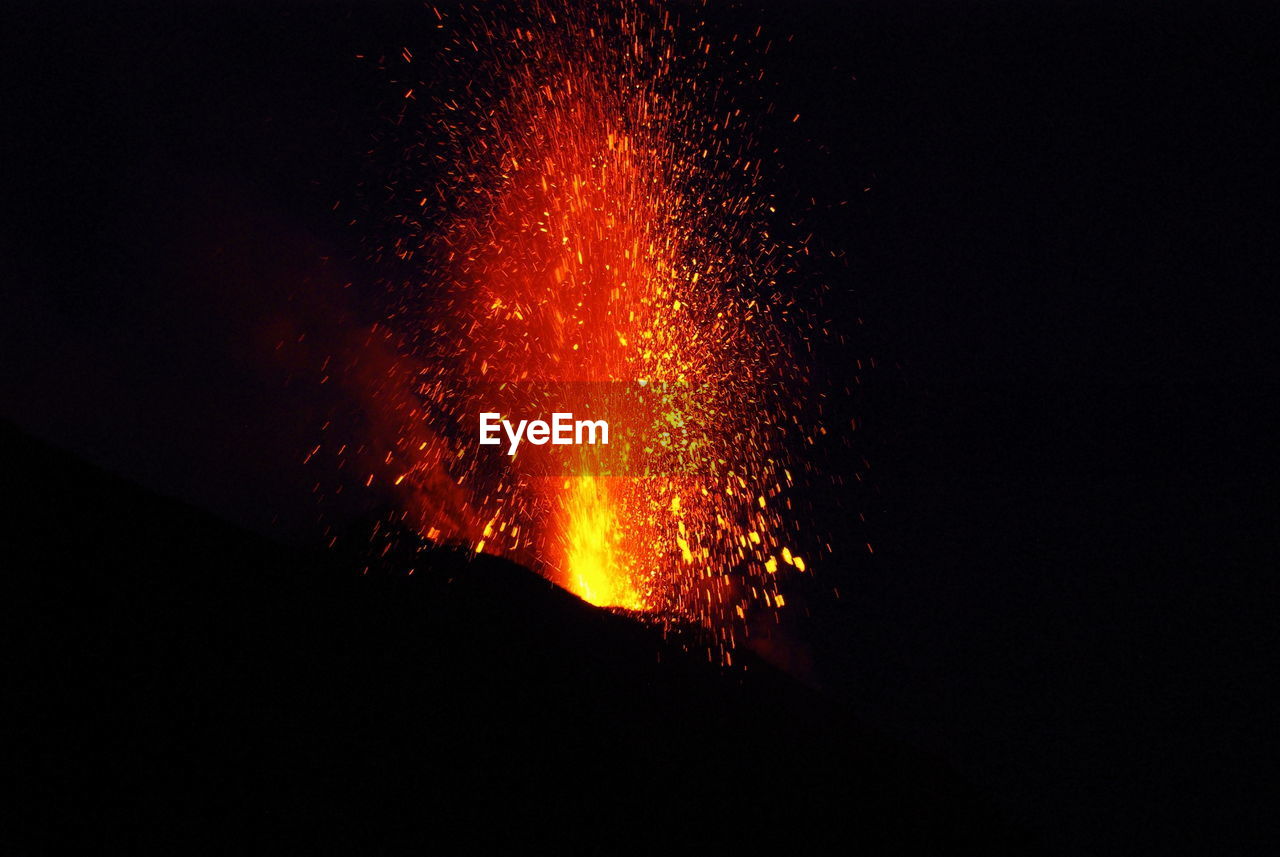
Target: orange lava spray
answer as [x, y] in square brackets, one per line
[593, 217]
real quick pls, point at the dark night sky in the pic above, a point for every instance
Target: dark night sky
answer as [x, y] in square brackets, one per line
[1062, 261]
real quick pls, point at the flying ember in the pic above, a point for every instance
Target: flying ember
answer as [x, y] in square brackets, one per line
[577, 217]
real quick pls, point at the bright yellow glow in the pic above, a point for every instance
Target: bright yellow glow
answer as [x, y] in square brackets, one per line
[596, 567]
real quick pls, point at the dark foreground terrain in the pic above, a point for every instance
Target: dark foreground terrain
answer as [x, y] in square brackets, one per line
[184, 683]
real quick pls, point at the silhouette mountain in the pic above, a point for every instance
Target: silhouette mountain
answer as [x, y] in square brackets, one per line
[183, 683]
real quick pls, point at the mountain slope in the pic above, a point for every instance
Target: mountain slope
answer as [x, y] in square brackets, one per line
[182, 682]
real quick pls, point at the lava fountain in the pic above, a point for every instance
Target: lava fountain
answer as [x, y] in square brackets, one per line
[578, 204]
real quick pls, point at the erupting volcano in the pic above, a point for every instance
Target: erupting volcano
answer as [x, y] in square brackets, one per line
[579, 207]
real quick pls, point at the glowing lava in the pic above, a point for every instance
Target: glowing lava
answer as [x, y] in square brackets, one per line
[597, 567]
[581, 203]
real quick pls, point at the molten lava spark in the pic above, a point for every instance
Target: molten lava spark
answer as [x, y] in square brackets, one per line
[581, 206]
